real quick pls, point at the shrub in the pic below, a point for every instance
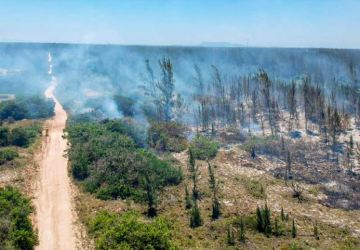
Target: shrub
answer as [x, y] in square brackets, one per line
[112, 166]
[255, 188]
[129, 127]
[24, 136]
[33, 107]
[167, 136]
[203, 148]
[16, 228]
[263, 220]
[4, 136]
[128, 231]
[262, 145]
[7, 154]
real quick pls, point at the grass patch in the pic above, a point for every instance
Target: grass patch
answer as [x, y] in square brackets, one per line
[256, 188]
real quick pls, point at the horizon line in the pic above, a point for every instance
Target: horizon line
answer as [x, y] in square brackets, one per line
[233, 46]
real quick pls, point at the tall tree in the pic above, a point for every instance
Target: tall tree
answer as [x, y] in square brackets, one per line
[167, 87]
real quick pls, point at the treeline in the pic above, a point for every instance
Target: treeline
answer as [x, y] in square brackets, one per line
[105, 158]
[33, 107]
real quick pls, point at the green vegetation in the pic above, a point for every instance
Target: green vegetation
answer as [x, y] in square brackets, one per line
[26, 108]
[203, 148]
[7, 154]
[293, 229]
[230, 236]
[254, 187]
[242, 231]
[130, 231]
[16, 231]
[108, 162]
[129, 127]
[188, 201]
[21, 136]
[263, 220]
[262, 144]
[195, 217]
[167, 136]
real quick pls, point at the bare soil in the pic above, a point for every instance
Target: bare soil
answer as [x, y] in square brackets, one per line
[55, 215]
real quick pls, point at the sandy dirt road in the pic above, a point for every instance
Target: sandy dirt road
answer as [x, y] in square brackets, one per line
[53, 199]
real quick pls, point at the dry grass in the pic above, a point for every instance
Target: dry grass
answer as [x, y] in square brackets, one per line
[240, 180]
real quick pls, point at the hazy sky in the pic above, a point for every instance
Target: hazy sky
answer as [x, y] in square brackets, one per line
[281, 23]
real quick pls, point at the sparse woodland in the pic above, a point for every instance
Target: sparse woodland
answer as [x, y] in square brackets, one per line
[198, 148]
[237, 164]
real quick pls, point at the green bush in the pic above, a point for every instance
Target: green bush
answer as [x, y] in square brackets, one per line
[24, 136]
[16, 231]
[33, 107]
[129, 231]
[129, 127]
[21, 136]
[203, 148]
[167, 136]
[255, 188]
[262, 144]
[112, 166]
[4, 136]
[7, 154]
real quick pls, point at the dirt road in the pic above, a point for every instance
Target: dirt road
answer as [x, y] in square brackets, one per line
[54, 212]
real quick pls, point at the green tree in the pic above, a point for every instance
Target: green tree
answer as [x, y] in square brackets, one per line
[191, 161]
[263, 220]
[230, 236]
[212, 180]
[277, 232]
[282, 214]
[267, 221]
[188, 202]
[259, 220]
[242, 236]
[216, 208]
[151, 197]
[293, 229]
[166, 87]
[195, 216]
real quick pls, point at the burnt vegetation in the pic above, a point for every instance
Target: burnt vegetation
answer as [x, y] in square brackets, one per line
[155, 139]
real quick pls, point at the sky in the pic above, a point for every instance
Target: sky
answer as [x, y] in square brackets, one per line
[265, 23]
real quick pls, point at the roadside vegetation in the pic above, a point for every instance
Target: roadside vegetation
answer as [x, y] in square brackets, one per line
[16, 231]
[109, 164]
[20, 128]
